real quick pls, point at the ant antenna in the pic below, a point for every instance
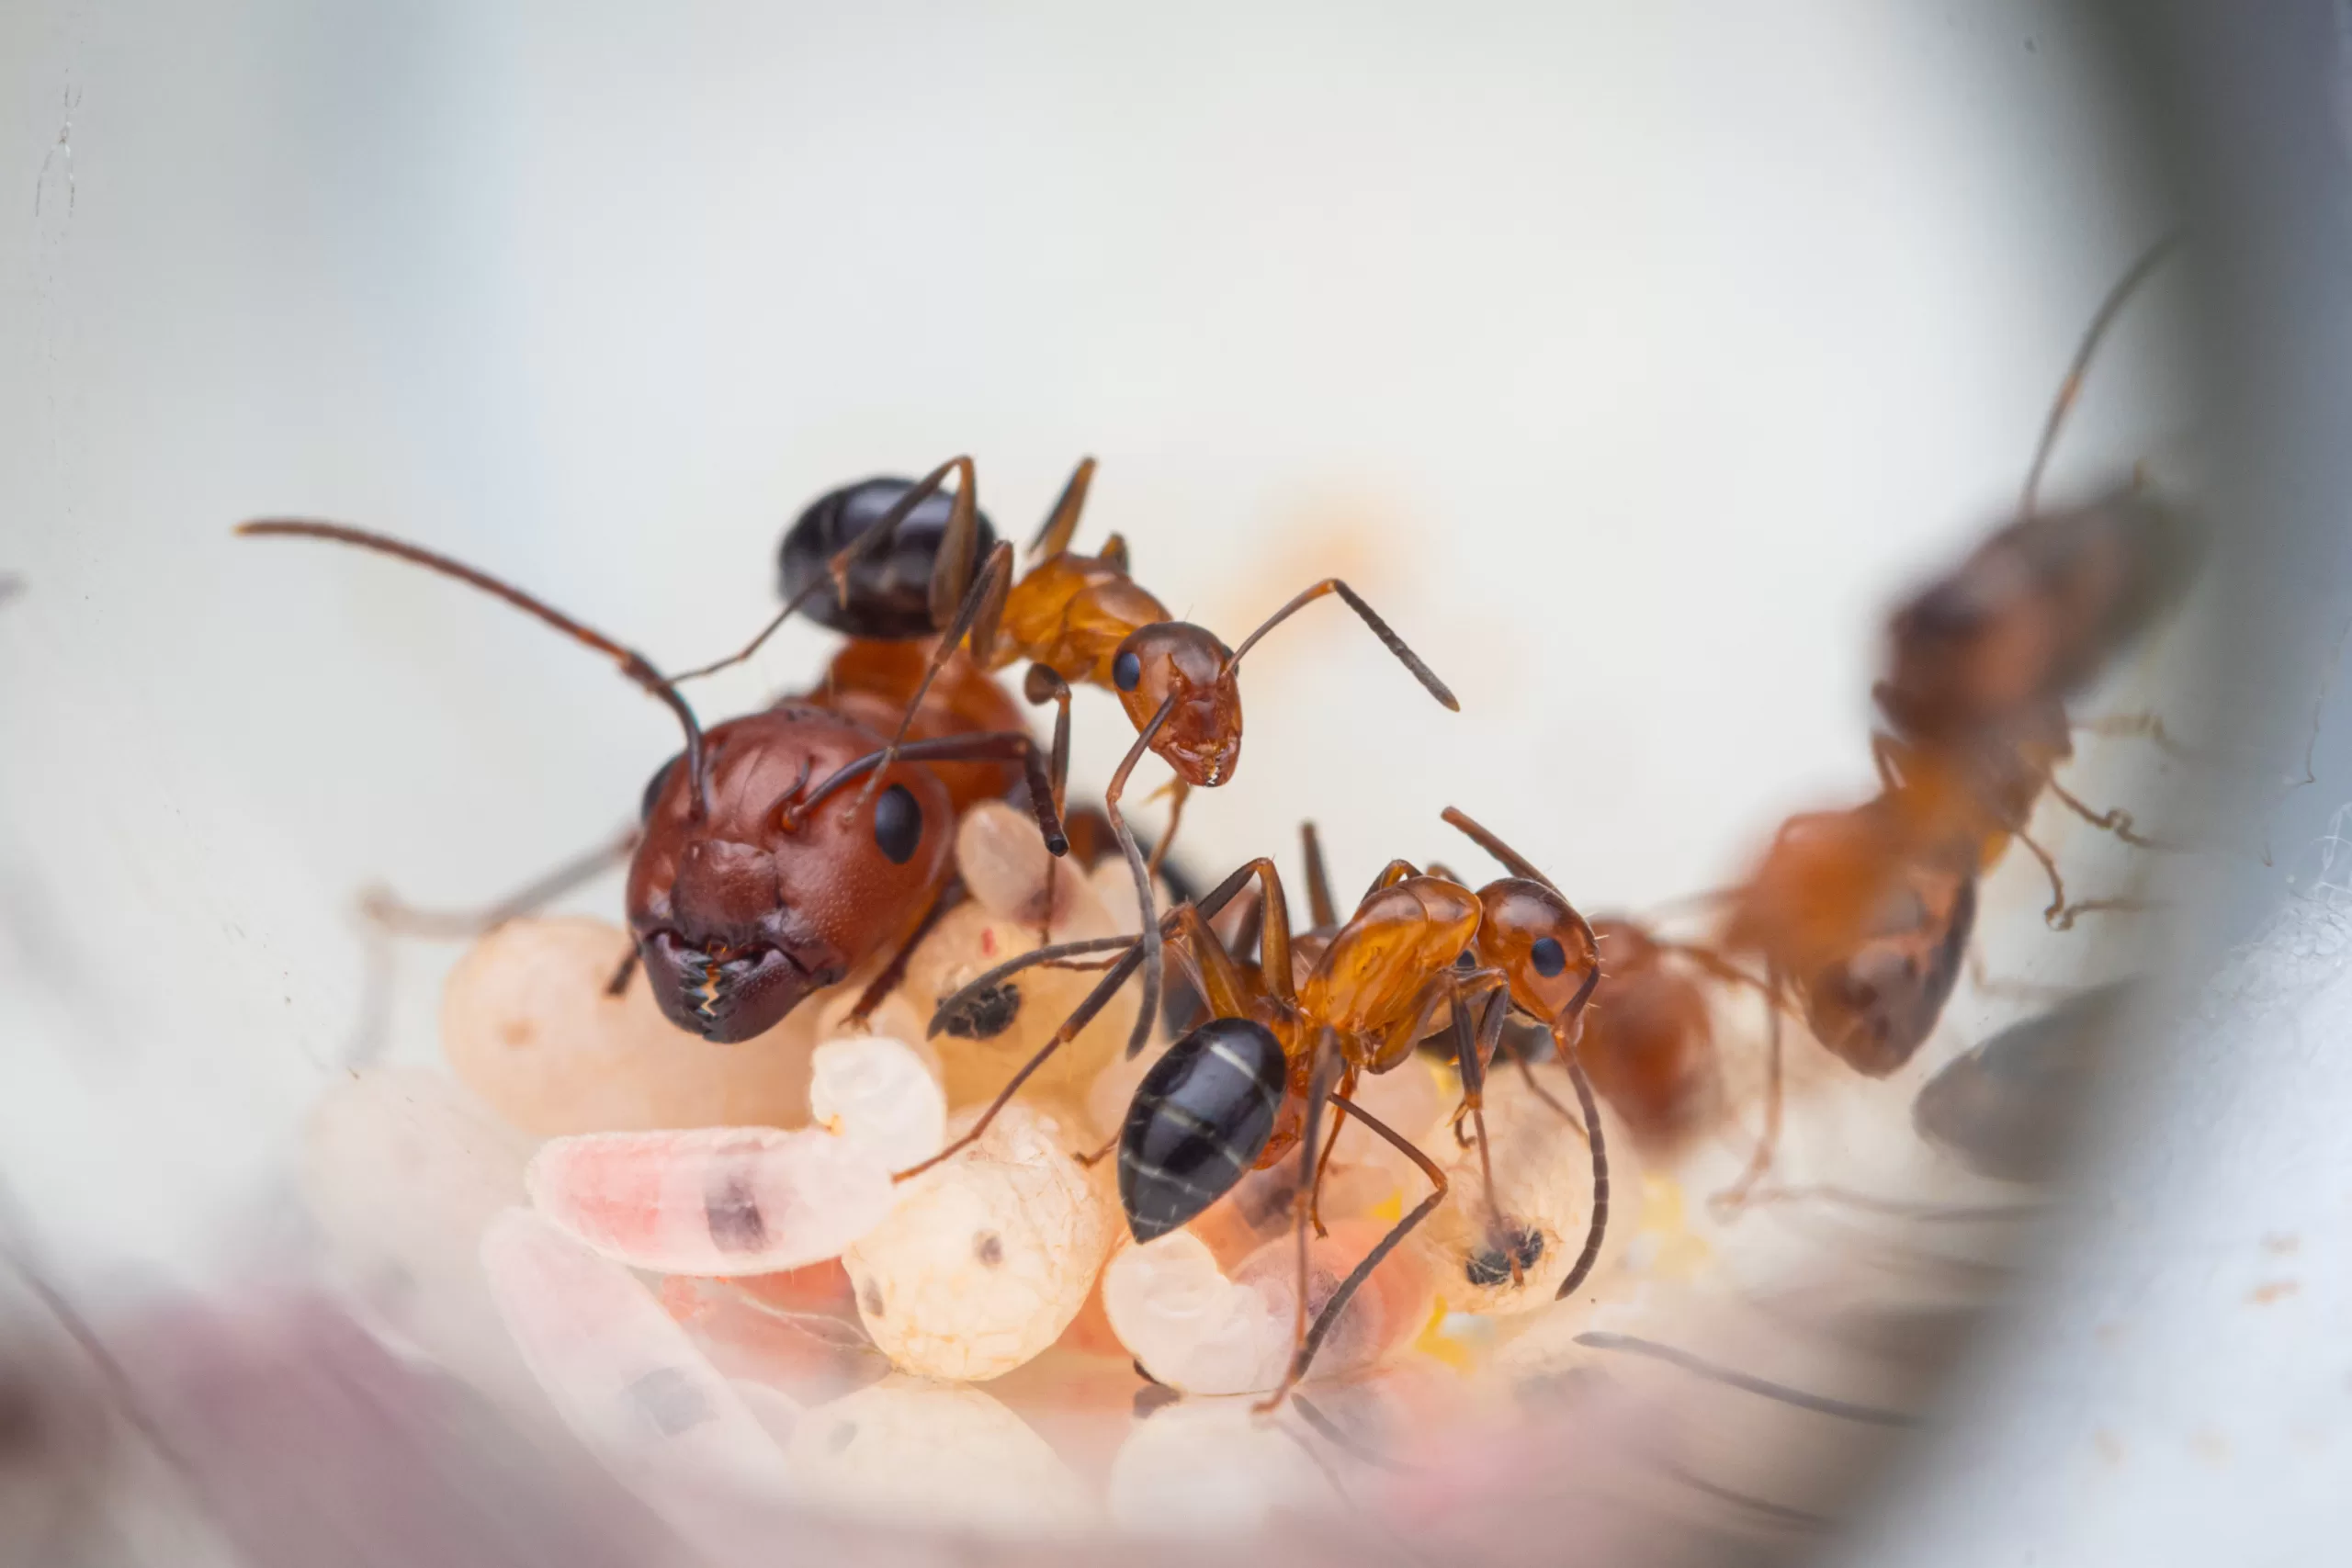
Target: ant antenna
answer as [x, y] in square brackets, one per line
[1388, 640]
[633, 664]
[2070, 387]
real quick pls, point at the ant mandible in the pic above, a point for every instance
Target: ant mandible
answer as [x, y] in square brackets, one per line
[1247, 1086]
[742, 898]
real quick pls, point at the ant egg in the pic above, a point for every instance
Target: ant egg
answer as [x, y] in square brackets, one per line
[987, 1258]
[407, 1248]
[1207, 1467]
[1199, 1331]
[623, 1376]
[986, 1041]
[1005, 865]
[878, 1092]
[712, 1199]
[525, 1024]
[1540, 1206]
[930, 1454]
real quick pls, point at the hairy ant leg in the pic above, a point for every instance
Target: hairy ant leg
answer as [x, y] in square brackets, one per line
[1319, 908]
[385, 909]
[954, 564]
[1328, 1068]
[1042, 685]
[1312, 1340]
[1177, 790]
[1060, 527]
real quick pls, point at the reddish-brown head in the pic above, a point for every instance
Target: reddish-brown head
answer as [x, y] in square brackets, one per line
[742, 911]
[1541, 946]
[1202, 739]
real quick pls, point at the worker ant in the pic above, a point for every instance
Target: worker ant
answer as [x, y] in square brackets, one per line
[1862, 917]
[905, 564]
[1250, 1084]
[743, 898]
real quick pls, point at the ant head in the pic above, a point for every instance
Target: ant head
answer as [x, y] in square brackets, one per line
[1541, 944]
[742, 911]
[1202, 739]
[1876, 1006]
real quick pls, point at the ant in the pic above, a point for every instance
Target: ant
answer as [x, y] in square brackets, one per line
[932, 568]
[1862, 917]
[1250, 1084]
[742, 898]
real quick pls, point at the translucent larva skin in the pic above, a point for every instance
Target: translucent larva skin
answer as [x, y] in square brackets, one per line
[881, 1093]
[987, 1258]
[1543, 1193]
[621, 1373]
[1200, 1330]
[918, 1454]
[526, 1024]
[712, 1200]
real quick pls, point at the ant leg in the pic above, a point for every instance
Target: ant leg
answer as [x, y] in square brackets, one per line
[2117, 821]
[956, 543]
[1472, 1047]
[1731, 1199]
[1388, 640]
[2058, 917]
[1318, 879]
[1395, 872]
[1527, 1071]
[1313, 1341]
[1318, 1091]
[2070, 387]
[993, 746]
[1315, 1189]
[1044, 684]
[1149, 1013]
[998, 570]
[1177, 791]
[1061, 523]
[622, 974]
[382, 909]
[951, 893]
[1599, 1226]
[1094, 1158]
[1987, 985]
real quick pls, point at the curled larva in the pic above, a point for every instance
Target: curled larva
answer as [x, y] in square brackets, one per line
[881, 1093]
[1539, 1209]
[926, 1454]
[712, 1199]
[987, 1258]
[1200, 1330]
[527, 1025]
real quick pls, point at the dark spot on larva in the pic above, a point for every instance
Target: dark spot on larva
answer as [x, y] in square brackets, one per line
[1492, 1267]
[989, 1248]
[840, 1437]
[669, 1399]
[733, 1211]
[869, 1300]
[986, 1014]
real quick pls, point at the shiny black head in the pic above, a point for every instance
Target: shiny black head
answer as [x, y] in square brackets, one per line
[889, 590]
[1198, 1123]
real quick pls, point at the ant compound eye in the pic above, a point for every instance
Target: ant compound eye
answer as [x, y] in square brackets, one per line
[653, 786]
[898, 825]
[1548, 958]
[1126, 670]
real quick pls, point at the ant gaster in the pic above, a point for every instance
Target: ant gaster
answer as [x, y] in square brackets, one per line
[743, 898]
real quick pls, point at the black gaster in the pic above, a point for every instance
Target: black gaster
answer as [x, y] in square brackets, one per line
[889, 590]
[1198, 1123]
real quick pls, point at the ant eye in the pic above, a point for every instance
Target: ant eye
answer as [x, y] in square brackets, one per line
[1126, 670]
[898, 825]
[653, 786]
[1548, 958]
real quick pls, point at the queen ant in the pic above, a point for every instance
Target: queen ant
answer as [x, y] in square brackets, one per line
[905, 563]
[1244, 1089]
[743, 898]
